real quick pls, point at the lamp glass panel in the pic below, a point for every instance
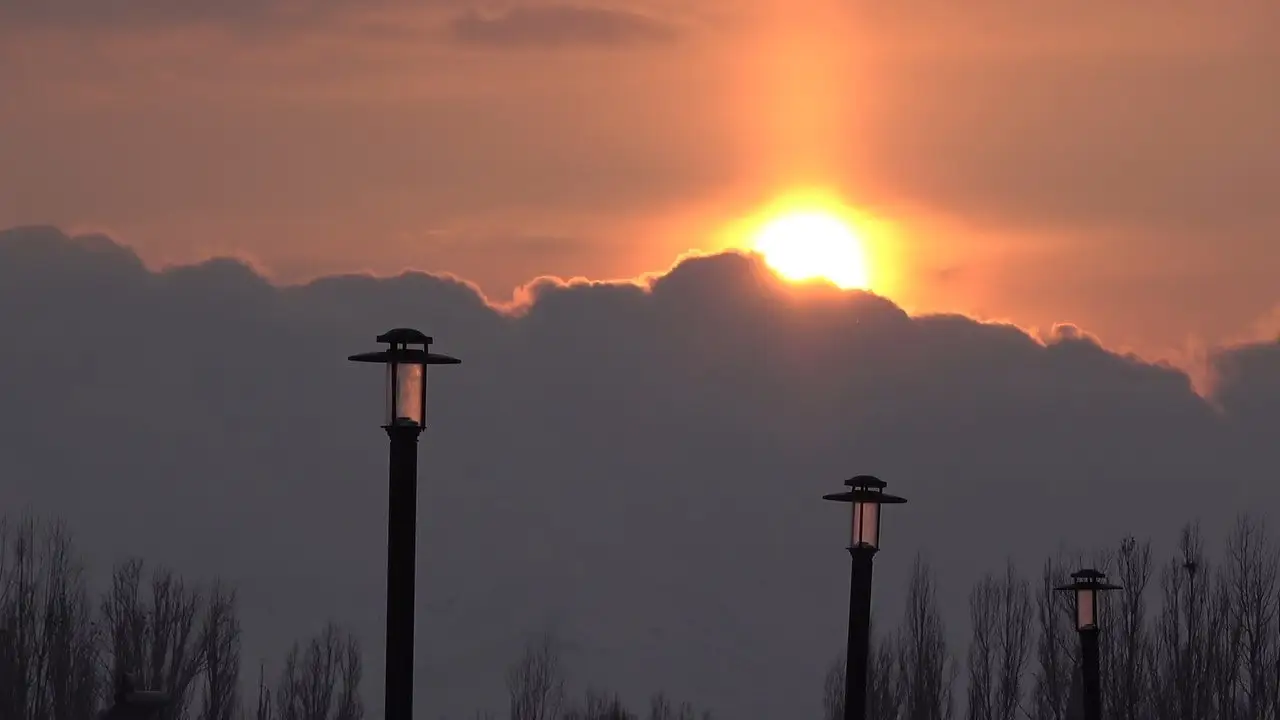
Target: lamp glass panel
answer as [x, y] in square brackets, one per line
[866, 524]
[406, 394]
[1086, 608]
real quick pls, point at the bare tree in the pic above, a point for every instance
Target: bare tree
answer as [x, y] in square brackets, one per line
[55, 654]
[319, 683]
[983, 619]
[884, 697]
[536, 683]
[599, 706]
[1001, 614]
[219, 642]
[926, 671]
[1223, 649]
[153, 634]
[48, 659]
[1193, 695]
[883, 689]
[1055, 655]
[1252, 568]
[661, 708]
[263, 708]
[1181, 664]
[1127, 683]
[1216, 644]
[833, 691]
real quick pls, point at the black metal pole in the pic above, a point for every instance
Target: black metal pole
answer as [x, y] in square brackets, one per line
[855, 665]
[402, 519]
[1090, 680]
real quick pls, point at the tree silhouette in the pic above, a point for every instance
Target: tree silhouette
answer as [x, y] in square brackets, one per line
[59, 648]
[48, 642]
[535, 683]
[926, 670]
[1000, 613]
[319, 683]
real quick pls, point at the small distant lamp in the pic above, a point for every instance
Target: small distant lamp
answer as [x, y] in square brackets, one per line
[1086, 589]
[133, 704]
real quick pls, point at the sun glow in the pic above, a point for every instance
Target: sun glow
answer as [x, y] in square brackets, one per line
[802, 245]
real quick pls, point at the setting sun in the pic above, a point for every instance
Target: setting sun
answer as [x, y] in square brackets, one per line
[812, 245]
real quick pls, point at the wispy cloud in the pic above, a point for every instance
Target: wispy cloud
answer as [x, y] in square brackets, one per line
[558, 26]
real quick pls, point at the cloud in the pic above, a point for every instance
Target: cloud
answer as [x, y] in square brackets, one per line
[557, 25]
[615, 459]
[112, 14]
[97, 15]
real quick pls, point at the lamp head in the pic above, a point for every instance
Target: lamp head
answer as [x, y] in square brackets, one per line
[866, 495]
[406, 358]
[1086, 588]
[132, 703]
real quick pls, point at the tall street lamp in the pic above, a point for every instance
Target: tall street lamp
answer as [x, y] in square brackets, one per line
[867, 494]
[1087, 588]
[406, 358]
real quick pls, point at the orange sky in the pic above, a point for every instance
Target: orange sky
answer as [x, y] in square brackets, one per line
[1109, 164]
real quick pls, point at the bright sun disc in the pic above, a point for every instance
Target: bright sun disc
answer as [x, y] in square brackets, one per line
[814, 245]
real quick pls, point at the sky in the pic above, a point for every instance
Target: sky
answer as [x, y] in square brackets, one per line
[1071, 334]
[1106, 164]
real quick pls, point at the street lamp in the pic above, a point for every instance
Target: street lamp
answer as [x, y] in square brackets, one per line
[1086, 589]
[406, 358]
[866, 494]
[132, 704]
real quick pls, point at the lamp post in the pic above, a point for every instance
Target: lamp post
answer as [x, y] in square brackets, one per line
[866, 494]
[1087, 588]
[406, 358]
[132, 704]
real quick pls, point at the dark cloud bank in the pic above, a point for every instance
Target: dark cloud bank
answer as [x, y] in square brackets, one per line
[638, 470]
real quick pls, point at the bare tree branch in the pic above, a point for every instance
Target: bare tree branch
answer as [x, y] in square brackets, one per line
[536, 682]
[48, 656]
[219, 642]
[926, 670]
[1000, 614]
[322, 683]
